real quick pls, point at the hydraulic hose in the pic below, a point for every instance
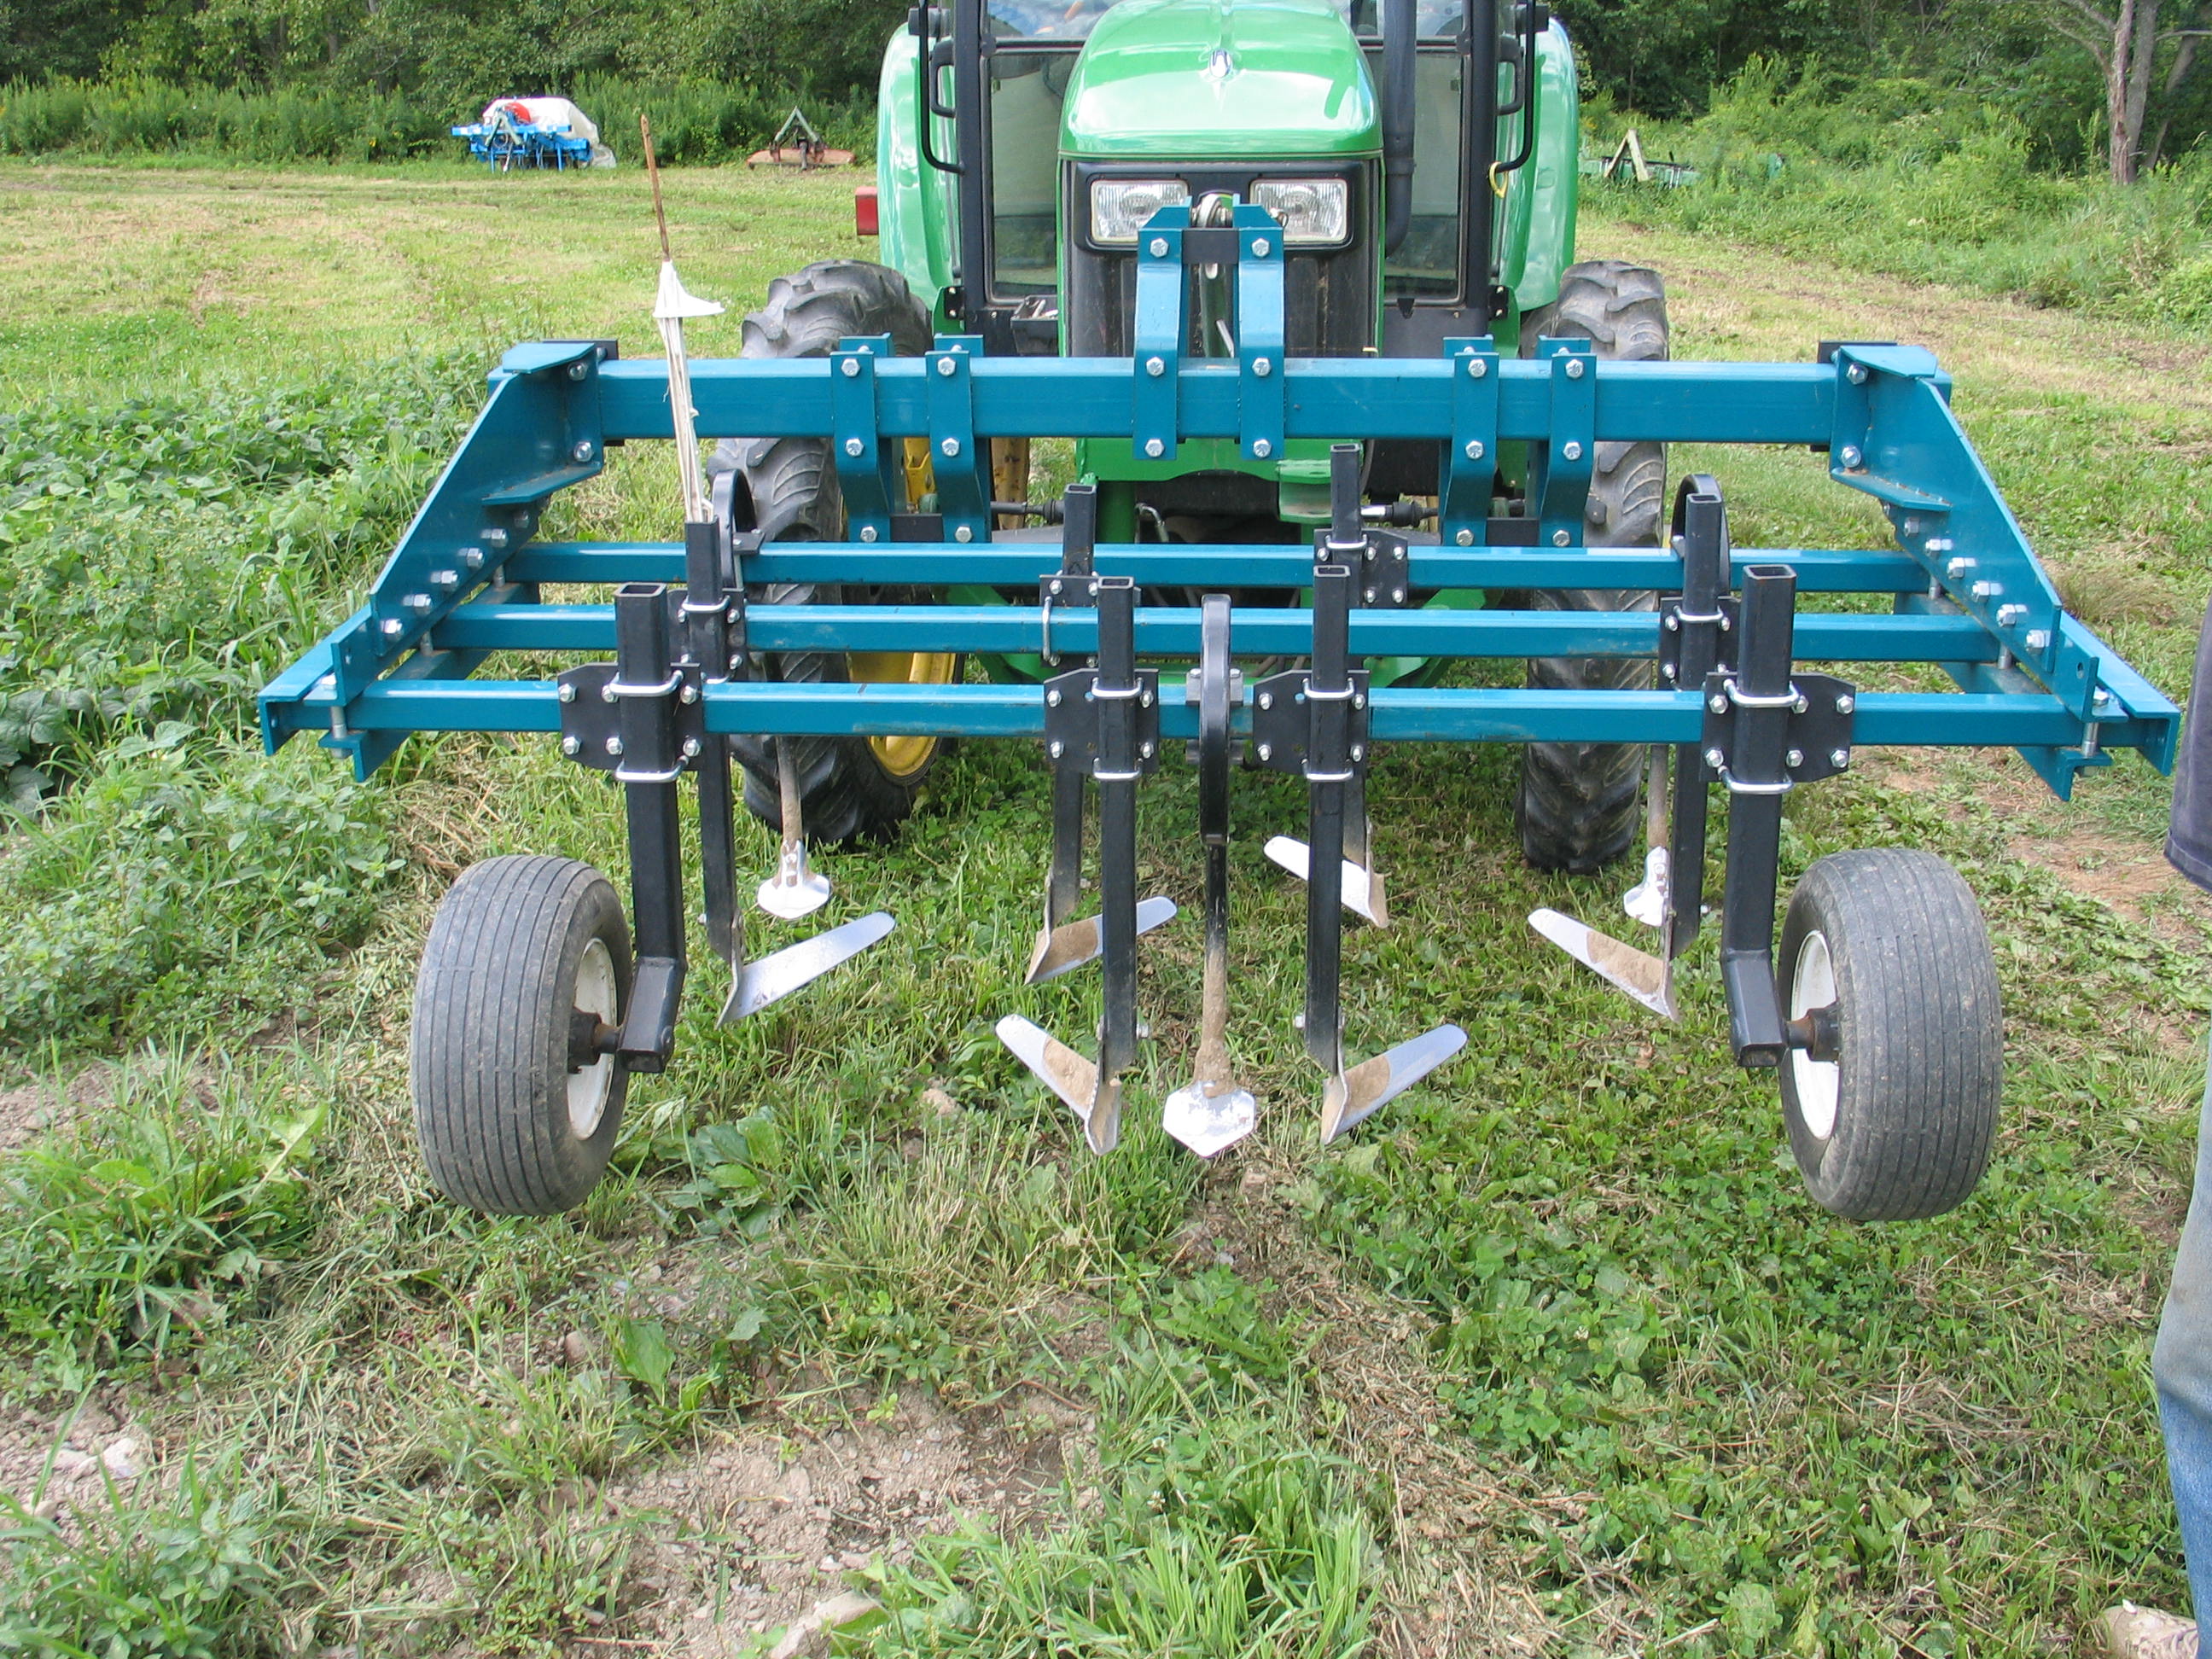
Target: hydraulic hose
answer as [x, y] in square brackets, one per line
[1398, 26]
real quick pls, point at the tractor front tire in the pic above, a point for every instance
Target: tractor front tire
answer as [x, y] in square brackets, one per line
[851, 788]
[515, 1109]
[1894, 1118]
[1577, 807]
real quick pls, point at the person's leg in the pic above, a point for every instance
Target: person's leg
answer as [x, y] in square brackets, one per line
[2182, 1364]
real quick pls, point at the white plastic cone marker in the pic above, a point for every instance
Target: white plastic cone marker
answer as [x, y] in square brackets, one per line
[795, 890]
[771, 978]
[1349, 1101]
[1210, 1117]
[1645, 978]
[1363, 888]
[1646, 901]
[1096, 1102]
[1075, 943]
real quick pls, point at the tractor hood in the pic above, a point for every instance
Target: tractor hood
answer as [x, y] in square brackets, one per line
[1201, 80]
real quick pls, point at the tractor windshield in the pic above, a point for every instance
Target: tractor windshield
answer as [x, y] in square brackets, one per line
[1074, 20]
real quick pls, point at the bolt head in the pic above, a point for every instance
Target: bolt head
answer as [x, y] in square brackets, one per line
[850, 368]
[572, 745]
[1476, 368]
[964, 534]
[1260, 248]
[1397, 596]
[1267, 700]
[1717, 703]
[1266, 752]
[1794, 758]
[1155, 367]
[1715, 758]
[1359, 700]
[607, 693]
[418, 603]
[1983, 590]
[577, 371]
[1854, 457]
[855, 448]
[1261, 449]
[1155, 448]
[1957, 567]
[2037, 639]
[568, 692]
[867, 532]
[1053, 697]
[1147, 751]
[1368, 594]
[946, 366]
[582, 453]
[1465, 539]
[1573, 450]
[1475, 452]
[1839, 758]
[1858, 374]
[472, 558]
[1158, 247]
[1562, 539]
[690, 748]
[1671, 623]
[614, 745]
[1845, 703]
[495, 535]
[1055, 748]
[1359, 751]
[1263, 367]
[689, 695]
[448, 579]
[1574, 369]
[950, 447]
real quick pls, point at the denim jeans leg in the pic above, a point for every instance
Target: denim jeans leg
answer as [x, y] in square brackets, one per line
[2182, 1364]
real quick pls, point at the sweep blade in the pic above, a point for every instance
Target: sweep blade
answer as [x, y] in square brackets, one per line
[1073, 945]
[1645, 978]
[1350, 1100]
[1363, 888]
[772, 978]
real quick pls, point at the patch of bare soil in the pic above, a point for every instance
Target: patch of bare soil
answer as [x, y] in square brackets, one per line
[762, 1526]
[53, 1463]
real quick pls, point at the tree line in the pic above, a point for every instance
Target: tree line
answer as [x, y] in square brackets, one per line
[2120, 84]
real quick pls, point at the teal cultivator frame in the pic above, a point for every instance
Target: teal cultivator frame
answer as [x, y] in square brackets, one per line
[1967, 594]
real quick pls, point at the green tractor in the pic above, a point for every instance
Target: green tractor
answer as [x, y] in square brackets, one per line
[1420, 156]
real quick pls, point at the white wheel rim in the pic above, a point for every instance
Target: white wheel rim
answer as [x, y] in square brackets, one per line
[588, 1089]
[1817, 1083]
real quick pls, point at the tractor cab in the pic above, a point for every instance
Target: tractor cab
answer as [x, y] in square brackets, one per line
[1385, 136]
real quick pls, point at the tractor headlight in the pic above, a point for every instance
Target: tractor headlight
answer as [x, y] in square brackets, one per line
[1120, 208]
[1313, 212]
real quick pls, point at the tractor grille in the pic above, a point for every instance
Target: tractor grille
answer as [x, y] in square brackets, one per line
[1329, 305]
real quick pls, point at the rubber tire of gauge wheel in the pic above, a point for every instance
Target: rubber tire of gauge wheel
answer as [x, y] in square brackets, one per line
[1899, 1126]
[507, 1124]
[1577, 807]
[789, 490]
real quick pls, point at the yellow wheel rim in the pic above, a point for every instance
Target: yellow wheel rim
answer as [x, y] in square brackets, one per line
[903, 757]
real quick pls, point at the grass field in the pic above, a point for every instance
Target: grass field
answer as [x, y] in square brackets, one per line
[1555, 1357]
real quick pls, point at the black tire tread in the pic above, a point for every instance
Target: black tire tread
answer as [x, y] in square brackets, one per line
[483, 1046]
[1578, 806]
[792, 489]
[1922, 1034]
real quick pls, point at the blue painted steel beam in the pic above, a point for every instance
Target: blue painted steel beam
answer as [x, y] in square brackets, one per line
[1946, 719]
[1367, 397]
[1010, 629]
[1223, 568]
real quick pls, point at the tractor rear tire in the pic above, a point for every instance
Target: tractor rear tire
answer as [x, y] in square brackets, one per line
[1895, 1123]
[851, 788]
[1578, 805]
[525, 954]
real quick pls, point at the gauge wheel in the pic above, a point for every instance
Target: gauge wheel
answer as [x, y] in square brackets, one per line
[1892, 1109]
[526, 968]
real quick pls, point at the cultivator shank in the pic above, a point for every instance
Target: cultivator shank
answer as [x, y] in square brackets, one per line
[1142, 671]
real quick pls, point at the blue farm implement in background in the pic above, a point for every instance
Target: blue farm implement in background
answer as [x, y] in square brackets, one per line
[538, 995]
[517, 133]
